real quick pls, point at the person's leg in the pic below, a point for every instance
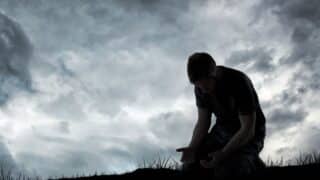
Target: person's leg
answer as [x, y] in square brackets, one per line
[240, 164]
[209, 144]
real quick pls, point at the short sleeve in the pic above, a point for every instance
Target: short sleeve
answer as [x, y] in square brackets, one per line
[201, 101]
[245, 95]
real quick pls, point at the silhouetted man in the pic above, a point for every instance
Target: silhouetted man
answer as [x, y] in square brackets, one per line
[233, 145]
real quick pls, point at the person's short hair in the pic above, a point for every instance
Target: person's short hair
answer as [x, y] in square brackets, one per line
[200, 64]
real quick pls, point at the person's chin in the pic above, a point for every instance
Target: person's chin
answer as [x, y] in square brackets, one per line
[207, 91]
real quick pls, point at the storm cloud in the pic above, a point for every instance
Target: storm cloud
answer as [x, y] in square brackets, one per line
[261, 59]
[301, 21]
[7, 162]
[15, 54]
[109, 77]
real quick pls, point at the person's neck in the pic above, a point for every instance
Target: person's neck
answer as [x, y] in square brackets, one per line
[218, 74]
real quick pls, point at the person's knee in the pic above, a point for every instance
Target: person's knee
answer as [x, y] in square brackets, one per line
[190, 166]
[239, 165]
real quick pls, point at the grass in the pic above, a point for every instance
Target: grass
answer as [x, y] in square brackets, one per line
[160, 163]
[8, 173]
[303, 159]
[170, 163]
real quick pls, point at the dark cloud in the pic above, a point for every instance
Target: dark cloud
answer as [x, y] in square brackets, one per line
[64, 69]
[284, 118]
[33, 160]
[296, 10]
[91, 156]
[310, 140]
[302, 21]
[108, 24]
[100, 33]
[46, 138]
[66, 107]
[101, 56]
[74, 163]
[285, 110]
[15, 54]
[290, 97]
[306, 144]
[166, 9]
[260, 57]
[82, 160]
[7, 163]
[165, 124]
[286, 150]
[137, 153]
[64, 127]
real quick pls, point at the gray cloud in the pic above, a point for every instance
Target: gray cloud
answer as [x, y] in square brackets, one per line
[92, 155]
[7, 163]
[282, 119]
[166, 124]
[15, 54]
[64, 127]
[260, 57]
[310, 140]
[49, 138]
[79, 161]
[74, 162]
[290, 97]
[33, 160]
[285, 110]
[99, 32]
[93, 59]
[307, 143]
[65, 107]
[115, 23]
[138, 153]
[301, 20]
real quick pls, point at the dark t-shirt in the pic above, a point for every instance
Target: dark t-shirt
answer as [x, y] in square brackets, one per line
[235, 94]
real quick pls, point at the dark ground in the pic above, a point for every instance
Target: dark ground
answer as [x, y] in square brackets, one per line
[302, 171]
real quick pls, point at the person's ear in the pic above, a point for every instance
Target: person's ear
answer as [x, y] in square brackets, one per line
[213, 73]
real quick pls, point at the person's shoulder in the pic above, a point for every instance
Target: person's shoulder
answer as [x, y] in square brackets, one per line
[233, 74]
[230, 71]
[236, 78]
[197, 91]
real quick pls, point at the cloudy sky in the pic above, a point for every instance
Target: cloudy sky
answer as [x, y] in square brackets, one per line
[101, 86]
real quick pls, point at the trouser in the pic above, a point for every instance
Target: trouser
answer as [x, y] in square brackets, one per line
[240, 163]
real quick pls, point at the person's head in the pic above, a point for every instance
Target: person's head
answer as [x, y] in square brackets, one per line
[201, 70]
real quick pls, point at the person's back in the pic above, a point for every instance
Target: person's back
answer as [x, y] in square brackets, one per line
[235, 94]
[238, 136]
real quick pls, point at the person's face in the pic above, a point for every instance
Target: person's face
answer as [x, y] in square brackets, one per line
[206, 85]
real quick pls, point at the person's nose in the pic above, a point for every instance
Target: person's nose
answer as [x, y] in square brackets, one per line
[198, 85]
[202, 87]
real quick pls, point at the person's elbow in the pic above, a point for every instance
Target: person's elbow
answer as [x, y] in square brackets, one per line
[251, 133]
[203, 126]
[248, 123]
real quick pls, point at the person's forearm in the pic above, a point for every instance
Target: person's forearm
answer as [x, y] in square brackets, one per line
[240, 139]
[244, 135]
[199, 133]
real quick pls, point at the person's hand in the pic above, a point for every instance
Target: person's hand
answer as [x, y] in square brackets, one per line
[188, 154]
[215, 159]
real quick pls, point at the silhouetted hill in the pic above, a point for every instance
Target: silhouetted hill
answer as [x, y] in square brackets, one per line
[303, 171]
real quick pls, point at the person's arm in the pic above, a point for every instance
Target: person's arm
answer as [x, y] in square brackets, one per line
[241, 138]
[200, 131]
[244, 134]
[244, 94]
[201, 128]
